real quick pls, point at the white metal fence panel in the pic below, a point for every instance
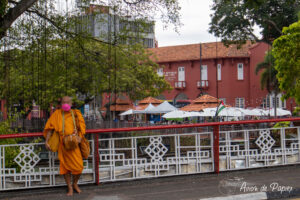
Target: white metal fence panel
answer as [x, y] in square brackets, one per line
[31, 166]
[259, 148]
[155, 156]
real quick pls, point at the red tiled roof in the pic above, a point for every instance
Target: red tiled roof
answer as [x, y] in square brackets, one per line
[206, 99]
[143, 106]
[123, 102]
[192, 51]
[198, 107]
[120, 107]
[149, 100]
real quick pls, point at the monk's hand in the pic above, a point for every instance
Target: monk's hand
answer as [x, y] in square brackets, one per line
[47, 146]
[78, 139]
[76, 133]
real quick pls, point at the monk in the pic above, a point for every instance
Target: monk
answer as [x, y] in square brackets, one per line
[71, 162]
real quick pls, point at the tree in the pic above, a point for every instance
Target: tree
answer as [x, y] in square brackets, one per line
[43, 57]
[286, 50]
[78, 70]
[268, 77]
[11, 10]
[234, 21]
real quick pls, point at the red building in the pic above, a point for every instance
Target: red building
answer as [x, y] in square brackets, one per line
[227, 73]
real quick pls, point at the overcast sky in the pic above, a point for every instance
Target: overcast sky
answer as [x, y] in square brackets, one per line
[195, 19]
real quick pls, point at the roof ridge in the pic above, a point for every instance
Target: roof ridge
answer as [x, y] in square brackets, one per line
[191, 51]
[190, 44]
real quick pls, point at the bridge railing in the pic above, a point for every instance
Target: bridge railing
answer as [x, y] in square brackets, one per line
[157, 151]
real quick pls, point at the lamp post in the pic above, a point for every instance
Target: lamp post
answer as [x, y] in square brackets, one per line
[217, 88]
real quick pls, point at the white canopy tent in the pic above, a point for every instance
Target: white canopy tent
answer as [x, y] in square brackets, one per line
[164, 107]
[209, 112]
[248, 112]
[128, 112]
[194, 114]
[231, 112]
[172, 112]
[176, 114]
[258, 112]
[182, 114]
[226, 112]
[280, 112]
[147, 110]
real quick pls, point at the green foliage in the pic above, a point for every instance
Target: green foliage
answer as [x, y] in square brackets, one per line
[3, 7]
[234, 21]
[45, 9]
[78, 69]
[53, 61]
[286, 50]
[289, 132]
[13, 151]
[282, 124]
[296, 111]
[268, 78]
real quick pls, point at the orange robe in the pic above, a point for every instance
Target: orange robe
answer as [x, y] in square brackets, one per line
[70, 160]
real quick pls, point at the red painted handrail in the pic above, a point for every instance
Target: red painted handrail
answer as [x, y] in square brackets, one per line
[109, 130]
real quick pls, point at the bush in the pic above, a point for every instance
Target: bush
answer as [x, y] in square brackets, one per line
[10, 152]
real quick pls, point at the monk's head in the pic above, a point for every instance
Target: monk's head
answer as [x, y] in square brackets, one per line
[66, 103]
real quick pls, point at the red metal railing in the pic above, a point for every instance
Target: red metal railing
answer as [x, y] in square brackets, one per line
[215, 125]
[110, 130]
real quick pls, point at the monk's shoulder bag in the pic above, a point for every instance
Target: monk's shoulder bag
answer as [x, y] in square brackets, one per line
[84, 145]
[70, 141]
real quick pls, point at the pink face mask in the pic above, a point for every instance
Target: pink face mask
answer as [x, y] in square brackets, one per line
[66, 107]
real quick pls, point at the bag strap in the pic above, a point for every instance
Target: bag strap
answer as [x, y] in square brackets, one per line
[74, 121]
[63, 123]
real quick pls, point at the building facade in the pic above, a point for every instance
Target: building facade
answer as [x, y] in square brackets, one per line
[227, 73]
[101, 22]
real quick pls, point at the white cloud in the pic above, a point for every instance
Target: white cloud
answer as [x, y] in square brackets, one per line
[195, 19]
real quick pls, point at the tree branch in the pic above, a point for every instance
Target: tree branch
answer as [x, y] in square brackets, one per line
[133, 3]
[259, 40]
[13, 2]
[274, 25]
[62, 29]
[12, 14]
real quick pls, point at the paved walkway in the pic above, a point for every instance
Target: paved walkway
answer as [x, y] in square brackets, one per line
[276, 183]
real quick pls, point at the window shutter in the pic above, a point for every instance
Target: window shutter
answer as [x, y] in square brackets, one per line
[181, 74]
[160, 71]
[240, 71]
[219, 72]
[204, 73]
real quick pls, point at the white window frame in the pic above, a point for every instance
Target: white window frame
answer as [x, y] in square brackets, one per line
[204, 73]
[240, 102]
[264, 103]
[283, 104]
[160, 71]
[270, 101]
[180, 70]
[240, 71]
[219, 68]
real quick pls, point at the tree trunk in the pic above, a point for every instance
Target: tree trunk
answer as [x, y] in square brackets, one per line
[275, 107]
[12, 14]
